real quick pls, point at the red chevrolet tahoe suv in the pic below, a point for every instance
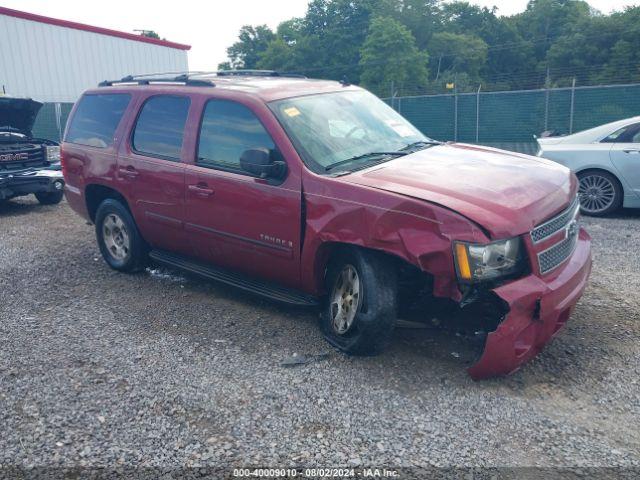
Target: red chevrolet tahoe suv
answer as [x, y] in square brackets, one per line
[317, 192]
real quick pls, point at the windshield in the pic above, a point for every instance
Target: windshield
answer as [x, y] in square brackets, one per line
[332, 128]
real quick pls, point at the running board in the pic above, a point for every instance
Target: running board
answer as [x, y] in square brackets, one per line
[259, 287]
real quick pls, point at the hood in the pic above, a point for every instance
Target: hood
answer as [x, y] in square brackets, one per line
[18, 113]
[506, 193]
[550, 140]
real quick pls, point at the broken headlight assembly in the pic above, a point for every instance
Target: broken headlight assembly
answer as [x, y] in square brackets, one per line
[52, 154]
[489, 262]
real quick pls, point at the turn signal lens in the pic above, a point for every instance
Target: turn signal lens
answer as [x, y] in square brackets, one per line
[464, 270]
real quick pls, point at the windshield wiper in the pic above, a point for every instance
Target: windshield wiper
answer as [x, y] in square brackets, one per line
[421, 143]
[365, 156]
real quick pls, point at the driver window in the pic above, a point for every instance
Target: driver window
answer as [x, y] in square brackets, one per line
[228, 129]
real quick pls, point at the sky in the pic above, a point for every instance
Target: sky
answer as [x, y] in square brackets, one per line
[211, 26]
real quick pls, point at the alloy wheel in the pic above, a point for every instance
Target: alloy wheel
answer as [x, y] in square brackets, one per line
[115, 237]
[345, 299]
[596, 192]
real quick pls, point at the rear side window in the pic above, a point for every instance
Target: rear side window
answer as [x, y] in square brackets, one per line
[160, 127]
[96, 119]
[228, 129]
[628, 134]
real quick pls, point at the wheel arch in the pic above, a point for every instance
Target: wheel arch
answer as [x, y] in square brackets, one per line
[605, 170]
[331, 249]
[96, 193]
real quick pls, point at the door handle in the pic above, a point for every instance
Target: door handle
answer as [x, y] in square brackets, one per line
[631, 150]
[129, 171]
[201, 189]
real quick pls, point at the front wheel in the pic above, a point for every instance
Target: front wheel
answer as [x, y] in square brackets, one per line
[360, 309]
[600, 193]
[49, 198]
[120, 243]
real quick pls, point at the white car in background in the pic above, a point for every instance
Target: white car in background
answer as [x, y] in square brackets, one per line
[606, 160]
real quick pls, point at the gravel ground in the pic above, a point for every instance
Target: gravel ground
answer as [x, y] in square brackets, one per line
[99, 368]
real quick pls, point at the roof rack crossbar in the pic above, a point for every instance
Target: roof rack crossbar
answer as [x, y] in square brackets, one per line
[149, 80]
[194, 78]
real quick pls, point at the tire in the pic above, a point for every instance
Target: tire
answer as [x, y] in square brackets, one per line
[600, 193]
[373, 318]
[118, 237]
[49, 198]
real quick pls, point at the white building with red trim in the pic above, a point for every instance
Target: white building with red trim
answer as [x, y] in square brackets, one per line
[54, 60]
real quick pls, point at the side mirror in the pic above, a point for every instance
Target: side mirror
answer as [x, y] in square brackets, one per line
[260, 162]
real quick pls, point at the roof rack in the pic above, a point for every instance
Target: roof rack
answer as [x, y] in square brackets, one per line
[197, 79]
[148, 79]
[255, 73]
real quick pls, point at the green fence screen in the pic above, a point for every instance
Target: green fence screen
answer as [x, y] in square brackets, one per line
[511, 119]
[51, 121]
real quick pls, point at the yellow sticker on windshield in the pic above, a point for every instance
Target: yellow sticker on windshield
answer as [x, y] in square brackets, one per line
[292, 111]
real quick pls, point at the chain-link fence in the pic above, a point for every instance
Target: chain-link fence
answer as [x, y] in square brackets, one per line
[503, 119]
[510, 119]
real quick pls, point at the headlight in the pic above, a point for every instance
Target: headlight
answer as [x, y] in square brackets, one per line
[52, 154]
[476, 262]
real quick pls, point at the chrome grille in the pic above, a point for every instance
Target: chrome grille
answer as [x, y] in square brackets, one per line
[553, 257]
[557, 223]
[35, 156]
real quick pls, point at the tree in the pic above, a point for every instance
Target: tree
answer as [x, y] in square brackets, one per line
[422, 17]
[149, 34]
[252, 41]
[509, 56]
[459, 53]
[390, 56]
[340, 28]
[338, 38]
[279, 55]
[544, 21]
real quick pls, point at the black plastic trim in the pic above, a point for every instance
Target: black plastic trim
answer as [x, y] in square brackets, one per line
[244, 282]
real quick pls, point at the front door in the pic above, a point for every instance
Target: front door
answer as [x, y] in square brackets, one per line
[151, 170]
[234, 219]
[625, 156]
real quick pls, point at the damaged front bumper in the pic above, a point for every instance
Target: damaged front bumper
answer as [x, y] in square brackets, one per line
[537, 311]
[15, 184]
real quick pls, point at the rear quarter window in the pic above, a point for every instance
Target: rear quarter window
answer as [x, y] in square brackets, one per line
[96, 118]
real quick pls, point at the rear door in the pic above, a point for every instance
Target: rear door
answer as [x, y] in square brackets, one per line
[151, 170]
[625, 156]
[234, 219]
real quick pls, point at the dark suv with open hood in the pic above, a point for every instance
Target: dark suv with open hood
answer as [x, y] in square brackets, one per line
[27, 164]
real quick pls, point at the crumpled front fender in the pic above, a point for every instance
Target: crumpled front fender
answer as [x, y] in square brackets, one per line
[415, 231]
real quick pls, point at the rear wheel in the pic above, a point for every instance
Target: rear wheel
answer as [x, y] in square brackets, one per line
[49, 198]
[360, 310]
[120, 243]
[600, 193]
